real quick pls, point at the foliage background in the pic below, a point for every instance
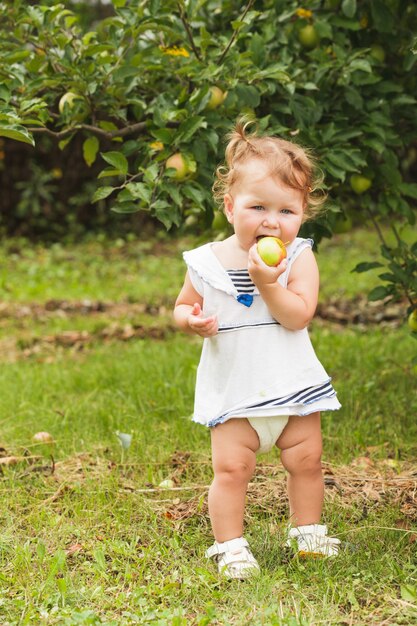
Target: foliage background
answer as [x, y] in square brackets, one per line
[143, 73]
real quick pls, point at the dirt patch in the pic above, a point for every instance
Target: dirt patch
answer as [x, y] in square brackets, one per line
[67, 308]
[360, 311]
[46, 348]
[355, 311]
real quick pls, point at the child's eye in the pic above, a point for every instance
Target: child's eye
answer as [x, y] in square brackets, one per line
[286, 211]
[258, 207]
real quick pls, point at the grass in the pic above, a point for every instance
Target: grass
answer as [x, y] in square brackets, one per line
[98, 542]
[91, 270]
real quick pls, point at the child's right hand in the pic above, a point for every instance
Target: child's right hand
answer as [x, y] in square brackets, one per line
[203, 326]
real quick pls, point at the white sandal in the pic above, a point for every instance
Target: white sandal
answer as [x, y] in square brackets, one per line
[312, 541]
[234, 558]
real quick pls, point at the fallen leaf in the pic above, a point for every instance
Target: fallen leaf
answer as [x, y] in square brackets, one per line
[76, 547]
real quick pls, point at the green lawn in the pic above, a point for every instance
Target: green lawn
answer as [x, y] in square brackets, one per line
[97, 541]
[92, 270]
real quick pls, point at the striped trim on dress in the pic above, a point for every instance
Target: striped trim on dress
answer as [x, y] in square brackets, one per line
[242, 281]
[306, 396]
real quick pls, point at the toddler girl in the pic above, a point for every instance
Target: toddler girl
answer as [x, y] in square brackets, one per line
[259, 382]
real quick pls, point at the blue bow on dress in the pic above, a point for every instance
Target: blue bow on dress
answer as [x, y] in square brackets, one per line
[245, 298]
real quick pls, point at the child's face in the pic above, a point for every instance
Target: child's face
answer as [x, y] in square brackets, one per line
[261, 205]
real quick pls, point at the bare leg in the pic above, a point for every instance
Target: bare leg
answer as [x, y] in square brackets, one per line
[301, 448]
[234, 446]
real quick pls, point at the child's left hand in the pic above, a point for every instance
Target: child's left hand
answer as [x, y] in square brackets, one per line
[260, 272]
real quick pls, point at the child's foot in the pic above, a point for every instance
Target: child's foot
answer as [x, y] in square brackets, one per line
[234, 558]
[312, 541]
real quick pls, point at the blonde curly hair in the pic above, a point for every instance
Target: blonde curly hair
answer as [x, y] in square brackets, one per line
[293, 165]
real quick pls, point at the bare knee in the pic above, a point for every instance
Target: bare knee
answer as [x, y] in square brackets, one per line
[302, 458]
[234, 472]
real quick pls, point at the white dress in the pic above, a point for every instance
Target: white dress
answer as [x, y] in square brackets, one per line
[253, 366]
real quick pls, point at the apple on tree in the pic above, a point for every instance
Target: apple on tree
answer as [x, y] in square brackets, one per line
[70, 101]
[217, 97]
[412, 321]
[378, 52]
[178, 163]
[360, 183]
[308, 37]
[271, 250]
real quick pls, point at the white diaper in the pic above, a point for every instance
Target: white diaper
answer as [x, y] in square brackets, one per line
[268, 430]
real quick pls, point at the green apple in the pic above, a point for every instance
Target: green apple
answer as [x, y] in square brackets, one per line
[179, 164]
[412, 321]
[217, 97]
[70, 101]
[360, 183]
[378, 52]
[308, 37]
[271, 250]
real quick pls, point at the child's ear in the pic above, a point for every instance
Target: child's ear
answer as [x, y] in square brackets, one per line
[228, 207]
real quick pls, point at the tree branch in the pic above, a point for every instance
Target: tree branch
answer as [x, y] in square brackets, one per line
[235, 34]
[377, 228]
[184, 20]
[120, 132]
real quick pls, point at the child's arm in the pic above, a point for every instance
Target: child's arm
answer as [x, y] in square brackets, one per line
[294, 306]
[188, 314]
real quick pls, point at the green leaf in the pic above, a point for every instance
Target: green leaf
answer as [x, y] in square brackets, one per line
[382, 17]
[344, 22]
[108, 171]
[409, 593]
[365, 267]
[125, 207]
[18, 133]
[175, 195]
[101, 193]
[150, 174]
[378, 293]
[90, 148]
[390, 278]
[64, 142]
[247, 95]
[140, 191]
[336, 172]
[362, 65]
[189, 127]
[344, 160]
[408, 189]
[194, 194]
[403, 100]
[257, 49]
[165, 135]
[375, 144]
[165, 213]
[275, 71]
[117, 160]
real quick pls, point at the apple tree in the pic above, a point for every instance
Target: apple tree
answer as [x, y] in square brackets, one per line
[153, 87]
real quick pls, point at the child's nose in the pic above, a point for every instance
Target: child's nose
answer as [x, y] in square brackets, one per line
[271, 220]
